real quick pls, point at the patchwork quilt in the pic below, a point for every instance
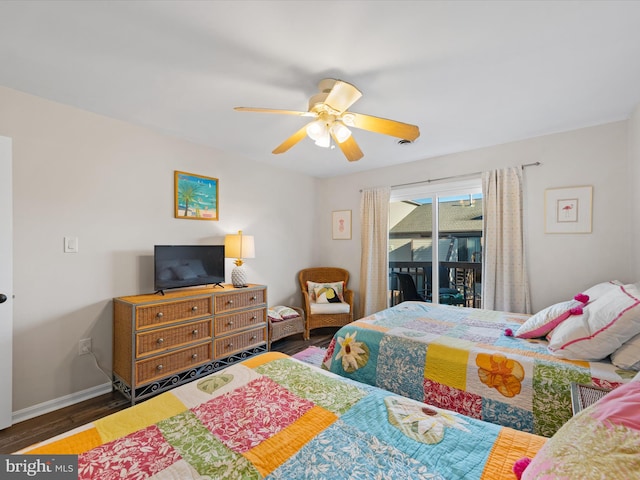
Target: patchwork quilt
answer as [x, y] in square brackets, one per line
[274, 417]
[461, 359]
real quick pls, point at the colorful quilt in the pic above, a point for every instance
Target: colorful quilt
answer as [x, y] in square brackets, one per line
[275, 417]
[461, 359]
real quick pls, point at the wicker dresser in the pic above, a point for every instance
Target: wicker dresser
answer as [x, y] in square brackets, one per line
[160, 342]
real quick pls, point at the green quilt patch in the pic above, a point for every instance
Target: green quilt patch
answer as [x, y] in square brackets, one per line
[331, 394]
[552, 399]
[203, 451]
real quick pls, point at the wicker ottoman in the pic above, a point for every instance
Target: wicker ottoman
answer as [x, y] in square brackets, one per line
[284, 328]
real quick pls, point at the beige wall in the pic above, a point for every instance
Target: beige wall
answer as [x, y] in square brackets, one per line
[560, 266]
[634, 178]
[111, 185]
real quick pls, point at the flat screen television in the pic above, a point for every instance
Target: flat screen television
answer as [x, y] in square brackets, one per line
[179, 266]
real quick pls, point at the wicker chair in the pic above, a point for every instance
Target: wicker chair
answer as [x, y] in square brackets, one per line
[324, 275]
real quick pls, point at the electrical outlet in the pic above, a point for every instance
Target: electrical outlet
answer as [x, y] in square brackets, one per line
[84, 346]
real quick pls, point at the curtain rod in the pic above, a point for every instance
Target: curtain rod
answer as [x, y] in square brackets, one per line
[462, 175]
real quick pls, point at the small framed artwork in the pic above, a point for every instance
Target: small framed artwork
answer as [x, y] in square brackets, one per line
[341, 225]
[568, 210]
[196, 196]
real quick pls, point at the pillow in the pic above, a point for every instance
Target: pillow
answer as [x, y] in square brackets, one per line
[627, 357]
[285, 312]
[326, 295]
[601, 441]
[600, 289]
[338, 287]
[607, 323]
[273, 315]
[546, 320]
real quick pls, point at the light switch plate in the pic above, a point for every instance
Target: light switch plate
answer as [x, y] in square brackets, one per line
[70, 244]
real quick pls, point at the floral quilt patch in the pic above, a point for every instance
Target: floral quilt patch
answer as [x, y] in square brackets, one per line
[245, 417]
[140, 454]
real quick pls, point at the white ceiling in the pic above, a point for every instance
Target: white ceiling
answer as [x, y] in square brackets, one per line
[468, 73]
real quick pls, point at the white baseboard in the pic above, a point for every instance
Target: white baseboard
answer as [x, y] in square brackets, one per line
[57, 403]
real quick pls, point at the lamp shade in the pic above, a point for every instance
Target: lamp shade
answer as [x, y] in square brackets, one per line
[239, 246]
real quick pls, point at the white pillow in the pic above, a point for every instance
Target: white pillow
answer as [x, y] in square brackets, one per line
[607, 323]
[273, 315]
[337, 287]
[600, 289]
[627, 357]
[549, 318]
[285, 312]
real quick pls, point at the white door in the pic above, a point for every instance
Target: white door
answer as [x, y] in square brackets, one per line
[6, 280]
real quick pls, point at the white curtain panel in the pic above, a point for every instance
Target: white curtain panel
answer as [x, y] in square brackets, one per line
[374, 263]
[505, 285]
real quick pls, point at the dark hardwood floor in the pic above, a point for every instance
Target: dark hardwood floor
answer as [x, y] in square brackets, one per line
[34, 430]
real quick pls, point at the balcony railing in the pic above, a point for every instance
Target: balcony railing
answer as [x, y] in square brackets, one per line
[463, 276]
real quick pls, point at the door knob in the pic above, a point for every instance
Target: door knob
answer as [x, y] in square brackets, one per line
[3, 298]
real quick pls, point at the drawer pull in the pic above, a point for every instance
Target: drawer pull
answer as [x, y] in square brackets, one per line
[194, 356]
[230, 302]
[194, 308]
[254, 318]
[159, 314]
[253, 298]
[254, 337]
[160, 341]
[159, 367]
[229, 345]
[195, 332]
[230, 322]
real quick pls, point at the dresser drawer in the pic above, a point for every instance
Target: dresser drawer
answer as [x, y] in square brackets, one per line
[163, 339]
[233, 301]
[164, 365]
[240, 341]
[167, 312]
[239, 321]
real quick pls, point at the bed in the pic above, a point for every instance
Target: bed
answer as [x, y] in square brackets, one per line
[464, 360]
[273, 416]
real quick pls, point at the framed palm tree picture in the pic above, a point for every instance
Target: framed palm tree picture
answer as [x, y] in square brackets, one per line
[196, 196]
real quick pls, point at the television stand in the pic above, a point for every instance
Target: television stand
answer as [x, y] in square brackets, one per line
[217, 284]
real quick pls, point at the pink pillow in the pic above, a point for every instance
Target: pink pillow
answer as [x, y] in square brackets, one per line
[546, 320]
[601, 441]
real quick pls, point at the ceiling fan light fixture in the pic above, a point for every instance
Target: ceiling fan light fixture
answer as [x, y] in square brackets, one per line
[316, 130]
[348, 119]
[340, 132]
[324, 141]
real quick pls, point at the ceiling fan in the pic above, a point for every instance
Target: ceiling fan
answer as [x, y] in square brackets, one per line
[332, 120]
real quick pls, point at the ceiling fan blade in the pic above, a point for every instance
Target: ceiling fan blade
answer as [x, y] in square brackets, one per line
[271, 110]
[342, 96]
[393, 128]
[349, 147]
[291, 141]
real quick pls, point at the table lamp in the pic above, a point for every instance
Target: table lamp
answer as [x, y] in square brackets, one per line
[239, 246]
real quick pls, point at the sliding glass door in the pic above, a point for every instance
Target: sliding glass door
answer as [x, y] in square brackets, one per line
[435, 237]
